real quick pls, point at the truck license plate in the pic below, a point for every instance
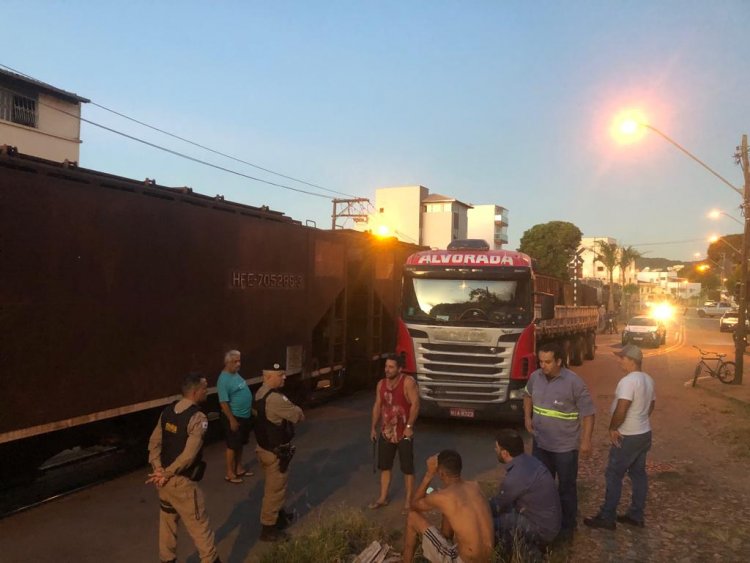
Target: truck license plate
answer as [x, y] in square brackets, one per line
[463, 413]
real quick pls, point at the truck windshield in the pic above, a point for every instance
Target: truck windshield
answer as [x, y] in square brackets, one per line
[467, 301]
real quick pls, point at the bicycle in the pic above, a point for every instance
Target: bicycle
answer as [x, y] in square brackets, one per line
[723, 371]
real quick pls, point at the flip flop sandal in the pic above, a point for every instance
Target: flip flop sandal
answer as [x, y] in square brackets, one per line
[233, 480]
[377, 504]
[245, 473]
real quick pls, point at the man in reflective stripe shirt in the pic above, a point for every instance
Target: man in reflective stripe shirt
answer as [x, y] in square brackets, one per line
[559, 414]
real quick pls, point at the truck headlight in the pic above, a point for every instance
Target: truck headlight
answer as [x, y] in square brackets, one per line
[516, 394]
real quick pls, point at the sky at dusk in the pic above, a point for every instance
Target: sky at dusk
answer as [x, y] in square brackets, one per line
[490, 102]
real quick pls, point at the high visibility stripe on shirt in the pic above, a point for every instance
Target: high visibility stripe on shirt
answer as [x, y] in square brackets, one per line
[555, 414]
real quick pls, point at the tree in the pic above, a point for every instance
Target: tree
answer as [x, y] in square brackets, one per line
[628, 255]
[608, 253]
[722, 249]
[553, 245]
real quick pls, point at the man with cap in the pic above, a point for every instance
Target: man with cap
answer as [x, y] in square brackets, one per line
[175, 454]
[630, 436]
[274, 430]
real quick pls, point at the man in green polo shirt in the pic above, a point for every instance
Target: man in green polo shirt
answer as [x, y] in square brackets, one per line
[236, 400]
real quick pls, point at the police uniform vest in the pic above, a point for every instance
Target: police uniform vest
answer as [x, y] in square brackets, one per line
[174, 435]
[269, 435]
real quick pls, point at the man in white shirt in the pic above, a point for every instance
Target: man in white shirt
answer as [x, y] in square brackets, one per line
[630, 435]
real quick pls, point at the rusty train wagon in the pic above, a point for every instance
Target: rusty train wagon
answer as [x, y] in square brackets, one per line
[112, 289]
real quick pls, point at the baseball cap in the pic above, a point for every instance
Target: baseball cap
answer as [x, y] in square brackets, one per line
[630, 351]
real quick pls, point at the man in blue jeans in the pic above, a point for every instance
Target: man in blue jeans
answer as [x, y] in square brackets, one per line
[559, 414]
[630, 435]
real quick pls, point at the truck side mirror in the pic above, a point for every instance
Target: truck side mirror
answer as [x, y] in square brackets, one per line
[547, 307]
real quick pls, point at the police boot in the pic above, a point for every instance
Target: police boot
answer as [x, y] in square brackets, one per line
[271, 533]
[284, 519]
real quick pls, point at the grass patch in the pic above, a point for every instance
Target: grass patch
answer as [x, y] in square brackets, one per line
[335, 538]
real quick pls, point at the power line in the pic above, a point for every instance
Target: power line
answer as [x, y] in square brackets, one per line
[669, 242]
[229, 156]
[177, 153]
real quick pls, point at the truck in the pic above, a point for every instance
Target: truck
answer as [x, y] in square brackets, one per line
[112, 289]
[712, 309]
[472, 320]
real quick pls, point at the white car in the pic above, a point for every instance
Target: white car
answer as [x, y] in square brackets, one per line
[644, 330]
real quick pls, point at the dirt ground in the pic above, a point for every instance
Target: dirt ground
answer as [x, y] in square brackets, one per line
[698, 507]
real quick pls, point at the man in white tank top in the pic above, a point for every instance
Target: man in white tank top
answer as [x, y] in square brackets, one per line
[630, 435]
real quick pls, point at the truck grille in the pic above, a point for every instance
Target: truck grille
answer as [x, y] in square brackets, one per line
[462, 373]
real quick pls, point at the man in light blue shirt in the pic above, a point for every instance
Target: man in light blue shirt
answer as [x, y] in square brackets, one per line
[235, 399]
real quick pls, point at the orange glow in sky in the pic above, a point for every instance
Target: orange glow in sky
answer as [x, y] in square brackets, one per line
[628, 126]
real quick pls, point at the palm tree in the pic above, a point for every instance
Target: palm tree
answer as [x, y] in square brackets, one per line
[608, 254]
[628, 255]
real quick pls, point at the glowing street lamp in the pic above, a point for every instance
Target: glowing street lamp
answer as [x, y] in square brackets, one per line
[633, 125]
[717, 213]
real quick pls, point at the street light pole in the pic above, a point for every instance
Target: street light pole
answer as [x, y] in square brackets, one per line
[741, 331]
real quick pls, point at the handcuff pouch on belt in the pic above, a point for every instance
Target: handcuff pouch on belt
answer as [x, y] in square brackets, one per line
[285, 453]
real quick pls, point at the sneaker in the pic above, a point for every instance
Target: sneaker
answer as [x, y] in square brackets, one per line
[599, 522]
[630, 521]
[271, 533]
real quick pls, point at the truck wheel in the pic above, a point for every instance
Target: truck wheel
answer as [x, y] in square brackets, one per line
[565, 346]
[576, 351]
[590, 346]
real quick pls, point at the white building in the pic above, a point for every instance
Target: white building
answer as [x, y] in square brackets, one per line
[654, 285]
[398, 211]
[444, 219]
[489, 222]
[414, 215]
[39, 119]
[592, 268]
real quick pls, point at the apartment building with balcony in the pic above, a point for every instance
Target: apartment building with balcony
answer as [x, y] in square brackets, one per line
[489, 222]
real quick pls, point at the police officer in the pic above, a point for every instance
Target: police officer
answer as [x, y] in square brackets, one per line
[274, 430]
[175, 454]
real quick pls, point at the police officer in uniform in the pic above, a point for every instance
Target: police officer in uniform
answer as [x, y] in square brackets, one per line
[274, 430]
[175, 454]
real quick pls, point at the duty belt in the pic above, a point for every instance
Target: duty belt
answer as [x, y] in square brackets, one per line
[555, 414]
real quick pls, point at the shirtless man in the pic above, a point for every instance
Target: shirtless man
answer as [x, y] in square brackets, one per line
[466, 533]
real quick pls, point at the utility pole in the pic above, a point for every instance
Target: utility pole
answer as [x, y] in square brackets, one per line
[357, 209]
[740, 339]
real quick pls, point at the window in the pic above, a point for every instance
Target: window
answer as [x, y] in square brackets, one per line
[600, 268]
[17, 108]
[455, 220]
[382, 209]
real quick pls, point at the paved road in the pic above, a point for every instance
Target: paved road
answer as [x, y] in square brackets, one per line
[117, 521]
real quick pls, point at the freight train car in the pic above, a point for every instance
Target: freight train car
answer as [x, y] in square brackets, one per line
[112, 289]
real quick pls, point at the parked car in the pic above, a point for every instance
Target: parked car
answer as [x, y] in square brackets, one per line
[729, 321]
[644, 330]
[715, 310]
